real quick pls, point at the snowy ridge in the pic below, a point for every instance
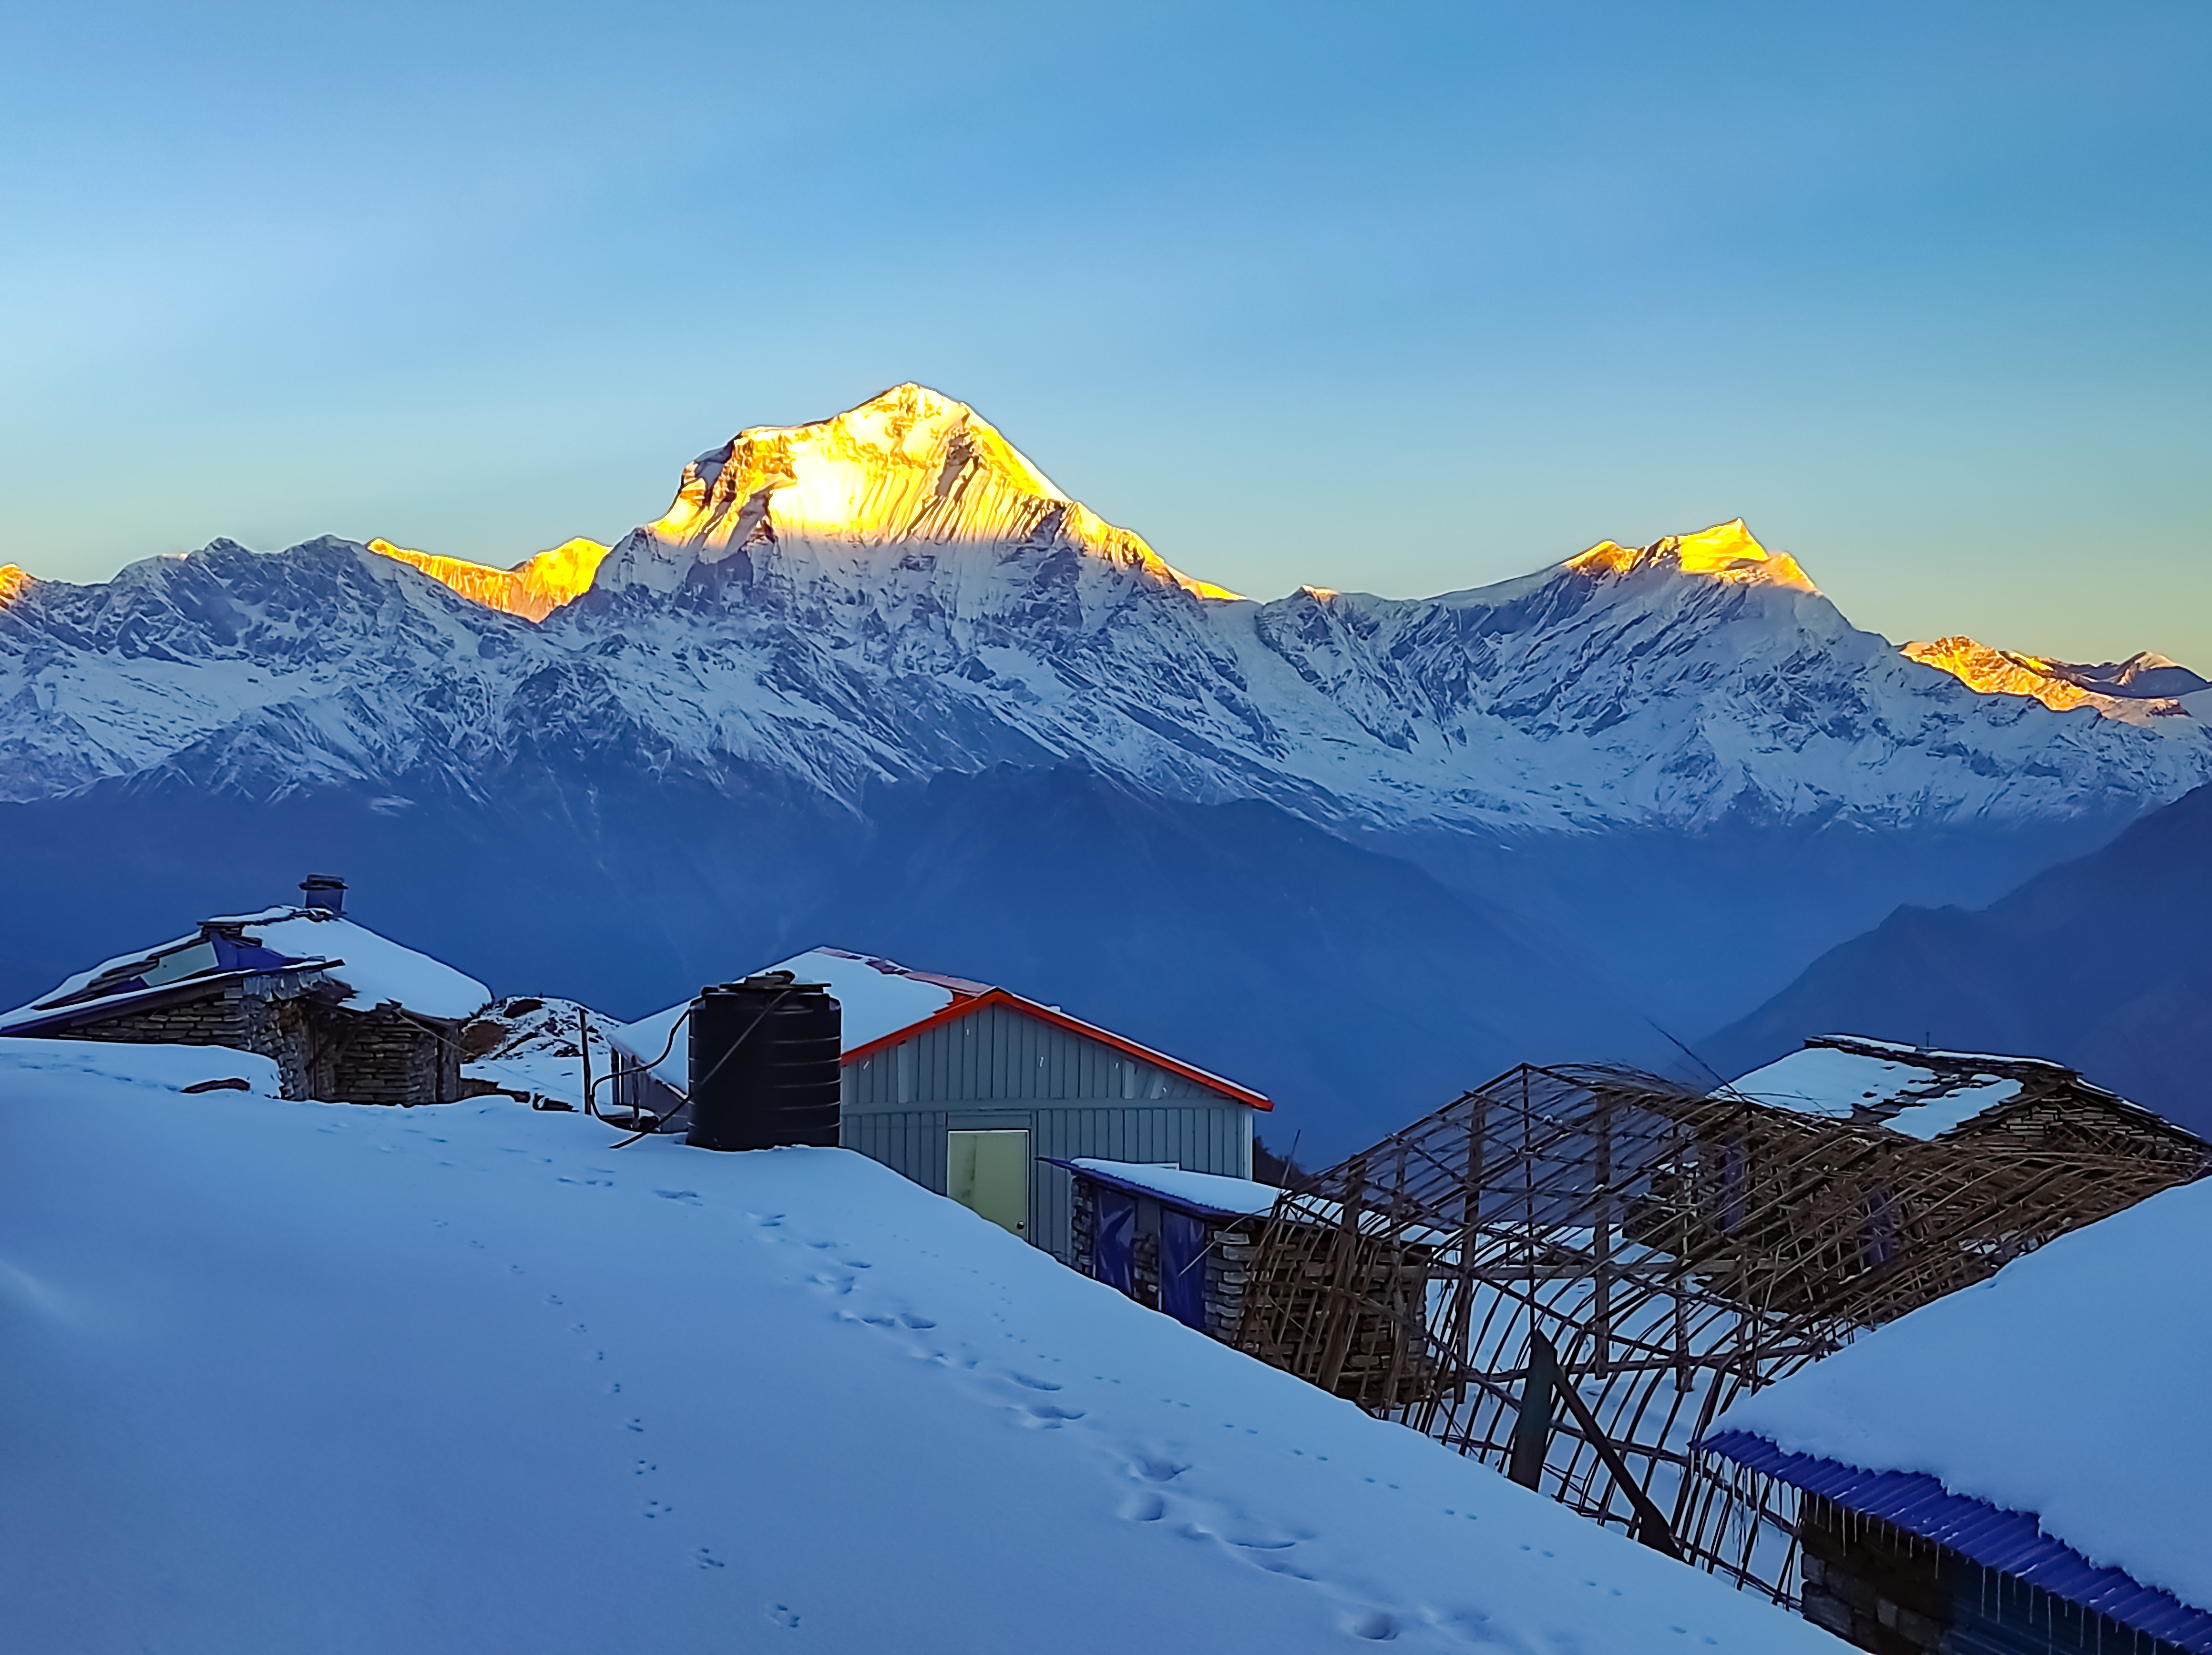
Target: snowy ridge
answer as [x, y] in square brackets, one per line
[532, 589]
[897, 592]
[2139, 689]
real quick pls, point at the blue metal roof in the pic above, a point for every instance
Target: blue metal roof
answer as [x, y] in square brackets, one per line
[2011, 1541]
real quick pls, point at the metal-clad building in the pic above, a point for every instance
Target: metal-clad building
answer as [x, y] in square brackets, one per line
[972, 1091]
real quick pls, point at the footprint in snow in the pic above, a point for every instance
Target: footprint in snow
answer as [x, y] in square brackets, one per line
[1145, 1508]
[782, 1614]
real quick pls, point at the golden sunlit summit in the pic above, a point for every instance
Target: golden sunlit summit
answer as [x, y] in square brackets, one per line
[533, 588]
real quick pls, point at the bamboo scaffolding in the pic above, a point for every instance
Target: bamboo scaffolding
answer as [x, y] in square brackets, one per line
[1679, 1250]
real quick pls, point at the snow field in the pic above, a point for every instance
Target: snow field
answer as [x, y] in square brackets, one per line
[287, 1377]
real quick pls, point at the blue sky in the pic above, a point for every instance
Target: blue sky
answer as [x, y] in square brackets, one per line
[1395, 298]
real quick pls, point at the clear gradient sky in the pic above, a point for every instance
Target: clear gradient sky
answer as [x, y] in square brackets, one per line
[1394, 298]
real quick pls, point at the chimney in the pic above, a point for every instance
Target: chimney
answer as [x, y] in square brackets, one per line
[324, 893]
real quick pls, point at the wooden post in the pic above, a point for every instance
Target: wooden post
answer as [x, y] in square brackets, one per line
[584, 1046]
[1343, 1287]
[1651, 1529]
[1470, 1223]
[1601, 1239]
[1532, 1427]
[1682, 1277]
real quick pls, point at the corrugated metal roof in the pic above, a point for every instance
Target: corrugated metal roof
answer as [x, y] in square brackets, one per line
[2011, 1541]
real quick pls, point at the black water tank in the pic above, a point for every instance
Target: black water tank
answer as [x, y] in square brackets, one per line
[764, 1068]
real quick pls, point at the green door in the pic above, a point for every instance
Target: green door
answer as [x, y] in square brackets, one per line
[989, 1173]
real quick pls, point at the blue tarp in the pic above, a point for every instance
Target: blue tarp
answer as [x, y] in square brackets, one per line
[1182, 1267]
[1113, 1241]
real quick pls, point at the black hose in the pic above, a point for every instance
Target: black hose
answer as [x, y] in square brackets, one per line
[719, 1062]
[683, 1018]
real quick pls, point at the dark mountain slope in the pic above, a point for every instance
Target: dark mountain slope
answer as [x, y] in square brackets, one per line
[2100, 963]
[1349, 985]
[1235, 935]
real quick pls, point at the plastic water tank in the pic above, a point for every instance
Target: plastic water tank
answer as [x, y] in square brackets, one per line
[764, 1068]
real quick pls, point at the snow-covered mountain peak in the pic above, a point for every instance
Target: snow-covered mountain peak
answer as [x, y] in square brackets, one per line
[897, 592]
[911, 467]
[2138, 690]
[1726, 551]
[532, 589]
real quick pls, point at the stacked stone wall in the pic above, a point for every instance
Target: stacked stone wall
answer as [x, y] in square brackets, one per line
[320, 1050]
[212, 1020]
[1872, 1585]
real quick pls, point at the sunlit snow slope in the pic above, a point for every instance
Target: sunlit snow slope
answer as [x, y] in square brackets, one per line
[532, 589]
[288, 1377]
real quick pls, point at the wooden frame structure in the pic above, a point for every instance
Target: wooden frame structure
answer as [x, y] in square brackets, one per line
[1677, 1250]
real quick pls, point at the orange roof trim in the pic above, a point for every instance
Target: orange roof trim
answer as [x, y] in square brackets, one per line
[964, 1002]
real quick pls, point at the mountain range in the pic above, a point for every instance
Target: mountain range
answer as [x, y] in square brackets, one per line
[2094, 962]
[876, 682]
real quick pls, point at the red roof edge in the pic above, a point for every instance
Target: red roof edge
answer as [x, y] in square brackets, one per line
[962, 1006]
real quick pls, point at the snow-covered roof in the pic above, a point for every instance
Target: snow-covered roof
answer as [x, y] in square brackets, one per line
[392, 1379]
[879, 997]
[1919, 1092]
[2070, 1386]
[374, 970]
[378, 970]
[1207, 1193]
[882, 1000]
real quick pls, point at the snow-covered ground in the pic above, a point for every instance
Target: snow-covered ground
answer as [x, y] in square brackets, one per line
[527, 1045]
[2070, 1384]
[291, 1377]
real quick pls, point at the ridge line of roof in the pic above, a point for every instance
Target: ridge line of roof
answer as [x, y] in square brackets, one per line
[962, 1006]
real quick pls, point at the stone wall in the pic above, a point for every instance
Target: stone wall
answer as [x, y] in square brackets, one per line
[1873, 1583]
[1889, 1591]
[217, 1019]
[320, 1050]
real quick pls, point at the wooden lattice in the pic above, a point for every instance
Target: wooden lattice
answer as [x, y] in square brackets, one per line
[1680, 1250]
